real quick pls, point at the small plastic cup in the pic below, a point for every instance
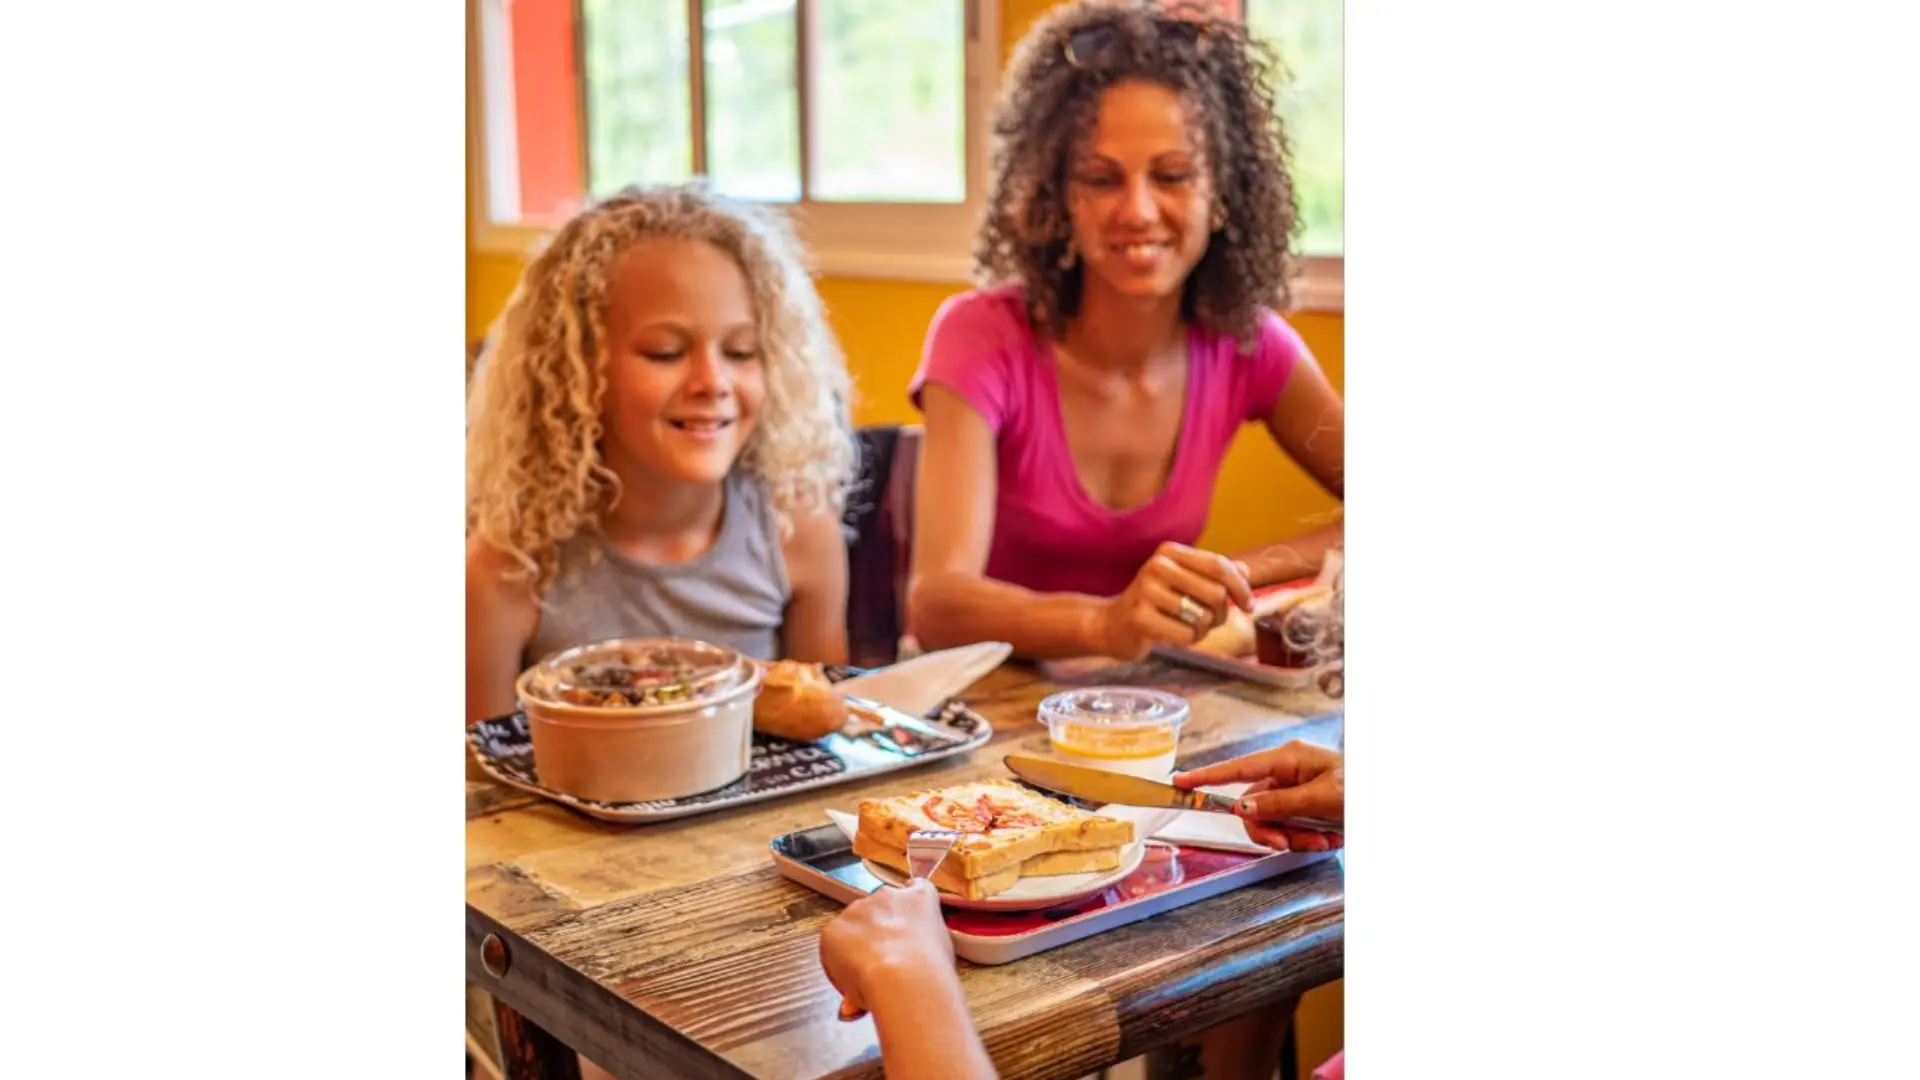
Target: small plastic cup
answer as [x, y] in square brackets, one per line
[1126, 729]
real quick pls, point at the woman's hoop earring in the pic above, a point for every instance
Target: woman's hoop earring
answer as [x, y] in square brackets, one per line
[1070, 256]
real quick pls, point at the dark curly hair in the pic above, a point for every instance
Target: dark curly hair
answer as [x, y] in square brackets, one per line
[1047, 111]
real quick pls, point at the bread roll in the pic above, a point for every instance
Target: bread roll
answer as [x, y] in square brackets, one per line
[796, 702]
[1231, 638]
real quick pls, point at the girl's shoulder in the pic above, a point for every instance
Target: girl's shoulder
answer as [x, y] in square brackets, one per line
[487, 563]
[500, 588]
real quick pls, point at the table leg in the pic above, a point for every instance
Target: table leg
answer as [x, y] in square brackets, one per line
[1246, 1047]
[529, 1051]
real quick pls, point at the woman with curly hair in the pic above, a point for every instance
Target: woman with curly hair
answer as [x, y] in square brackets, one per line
[659, 443]
[1079, 405]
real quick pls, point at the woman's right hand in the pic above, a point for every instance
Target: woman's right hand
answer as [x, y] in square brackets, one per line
[1149, 612]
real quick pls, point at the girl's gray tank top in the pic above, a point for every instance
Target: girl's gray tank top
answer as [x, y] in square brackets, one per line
[735, 594]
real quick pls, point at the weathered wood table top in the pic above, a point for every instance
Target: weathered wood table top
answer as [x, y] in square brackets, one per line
[678, 949]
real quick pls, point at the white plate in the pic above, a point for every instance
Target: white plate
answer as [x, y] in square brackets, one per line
[1033, 893]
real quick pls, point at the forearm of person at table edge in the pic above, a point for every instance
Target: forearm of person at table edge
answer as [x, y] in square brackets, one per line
[924, 1028]
[1292, 559]
[949, 609]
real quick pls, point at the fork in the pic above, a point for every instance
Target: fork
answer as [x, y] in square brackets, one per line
[926, 850]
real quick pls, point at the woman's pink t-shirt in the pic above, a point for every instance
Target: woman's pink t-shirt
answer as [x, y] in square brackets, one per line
[1049, 534]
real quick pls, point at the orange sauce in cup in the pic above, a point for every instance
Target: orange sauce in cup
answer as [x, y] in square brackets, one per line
[1093, 741]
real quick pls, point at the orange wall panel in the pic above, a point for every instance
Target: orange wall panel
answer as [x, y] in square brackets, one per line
[546, 108]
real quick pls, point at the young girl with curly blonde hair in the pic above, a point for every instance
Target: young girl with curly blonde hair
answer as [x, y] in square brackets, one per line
[658, 444]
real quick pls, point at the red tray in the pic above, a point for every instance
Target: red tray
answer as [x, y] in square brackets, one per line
[1170, 876]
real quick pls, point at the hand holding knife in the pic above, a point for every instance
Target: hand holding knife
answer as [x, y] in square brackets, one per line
[1104, 787]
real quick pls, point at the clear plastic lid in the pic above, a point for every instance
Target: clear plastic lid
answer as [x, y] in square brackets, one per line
[635, 672]
[1115, 708]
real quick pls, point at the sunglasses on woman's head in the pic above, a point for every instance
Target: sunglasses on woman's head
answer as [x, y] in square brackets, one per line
[1092, 45]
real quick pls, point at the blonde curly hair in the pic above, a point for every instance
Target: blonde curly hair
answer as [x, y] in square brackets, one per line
[535, 478]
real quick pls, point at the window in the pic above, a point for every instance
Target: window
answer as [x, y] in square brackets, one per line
[867, 118]
[1309, 37]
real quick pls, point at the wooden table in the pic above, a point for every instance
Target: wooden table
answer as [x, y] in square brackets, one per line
[677, 949]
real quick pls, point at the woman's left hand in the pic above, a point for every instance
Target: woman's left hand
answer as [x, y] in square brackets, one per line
[1298, 779]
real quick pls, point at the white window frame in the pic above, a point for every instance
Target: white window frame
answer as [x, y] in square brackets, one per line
[901, 241]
